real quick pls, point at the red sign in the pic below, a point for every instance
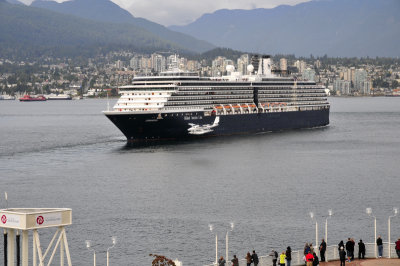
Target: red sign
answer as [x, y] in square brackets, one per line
[3, 219]
[40, 220]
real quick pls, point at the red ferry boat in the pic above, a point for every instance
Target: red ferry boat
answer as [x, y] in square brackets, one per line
[28, 98]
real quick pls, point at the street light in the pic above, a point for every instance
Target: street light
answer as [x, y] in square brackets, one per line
[369, 212]
[395, 211]
[216, 243]
[227, 241]
[89, 247]
[114, 241]
[330, 213]
[316, 228]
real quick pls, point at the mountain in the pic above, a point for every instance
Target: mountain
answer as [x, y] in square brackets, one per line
[107, 11]
[29, 31]
[334, 27]
[15, 2]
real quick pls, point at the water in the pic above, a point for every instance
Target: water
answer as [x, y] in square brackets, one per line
[161, 199]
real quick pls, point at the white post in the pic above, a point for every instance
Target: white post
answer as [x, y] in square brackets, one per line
[326, 239]
[94, 258]
[389, 235]
[227, 247]
[316, 235]
[61, 250]
[34, 254]
[375, 236]
[108, 258]
[25, 247]
[11, 247]
[216, 248]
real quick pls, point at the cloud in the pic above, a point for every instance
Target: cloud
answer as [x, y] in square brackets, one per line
[181, 12]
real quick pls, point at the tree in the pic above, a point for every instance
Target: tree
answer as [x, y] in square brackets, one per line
[161, 260]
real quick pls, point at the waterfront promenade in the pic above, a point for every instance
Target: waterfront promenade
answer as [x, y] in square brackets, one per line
[367, 262]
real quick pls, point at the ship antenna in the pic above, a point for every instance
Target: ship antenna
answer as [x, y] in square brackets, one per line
[108, 103]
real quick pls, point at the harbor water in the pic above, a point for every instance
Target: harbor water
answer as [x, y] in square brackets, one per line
[161, 198]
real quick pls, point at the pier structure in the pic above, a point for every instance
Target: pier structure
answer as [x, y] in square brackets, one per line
[22, 220]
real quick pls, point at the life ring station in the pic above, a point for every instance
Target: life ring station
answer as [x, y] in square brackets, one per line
[18, 221]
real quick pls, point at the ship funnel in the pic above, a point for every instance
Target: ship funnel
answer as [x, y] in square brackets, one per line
[265, 65]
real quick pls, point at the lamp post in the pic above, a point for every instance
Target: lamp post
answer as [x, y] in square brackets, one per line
[316, 228]
[330, 213]
[114, 241]
[89, 247]
[216, 243]
[395, 211]
[227, 241]
[369, 212]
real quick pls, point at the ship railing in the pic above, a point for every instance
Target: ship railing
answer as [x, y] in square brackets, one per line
[331, 254]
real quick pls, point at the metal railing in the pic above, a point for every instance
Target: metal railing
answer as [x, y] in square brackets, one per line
[332, 253]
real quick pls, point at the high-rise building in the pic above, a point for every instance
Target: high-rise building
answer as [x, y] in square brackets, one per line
[343, 86]
[301, 65]
[309, 74]
[134, 63]
[360, 76]
[242, 63]
[158, 63]
[119, 64]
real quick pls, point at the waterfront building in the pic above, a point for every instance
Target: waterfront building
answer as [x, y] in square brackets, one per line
[301, 65]
[343, 86]
[134, 63]
[217, 66]
[360, 77]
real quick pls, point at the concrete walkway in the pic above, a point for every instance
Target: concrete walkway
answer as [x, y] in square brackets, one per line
[368, 262]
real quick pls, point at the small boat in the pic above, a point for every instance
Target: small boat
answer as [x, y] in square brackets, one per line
[7, 97]
[59, 97]
[28, 98]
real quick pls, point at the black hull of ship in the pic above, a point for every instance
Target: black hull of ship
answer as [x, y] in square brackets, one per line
[151, 127]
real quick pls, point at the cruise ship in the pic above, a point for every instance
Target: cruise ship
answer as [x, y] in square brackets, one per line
[181, 105]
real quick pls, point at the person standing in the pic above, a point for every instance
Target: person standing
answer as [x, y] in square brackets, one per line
[254, 258]
[341, 244]
[322, 249]
[221, 261]
[342, 256]
[316, 260]
[361, 250]
[274, 256]
[380, 246]
[282, 258]
[248, 259]
[235, 261]
[309, 259]
[349, 249]
[398, 247]
[288, 256]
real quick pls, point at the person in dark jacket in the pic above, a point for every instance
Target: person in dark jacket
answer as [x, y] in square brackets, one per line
[254, 258]
[221, 261]
[361, 250]
[380, 246]
[398, 247]
[341, 244]
[350, 249]
[322, 249]
[235, 261]
[316, 260]
[342, 256]
[288, 256]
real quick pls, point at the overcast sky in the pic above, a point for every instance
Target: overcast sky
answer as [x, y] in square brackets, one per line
[181, 12]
